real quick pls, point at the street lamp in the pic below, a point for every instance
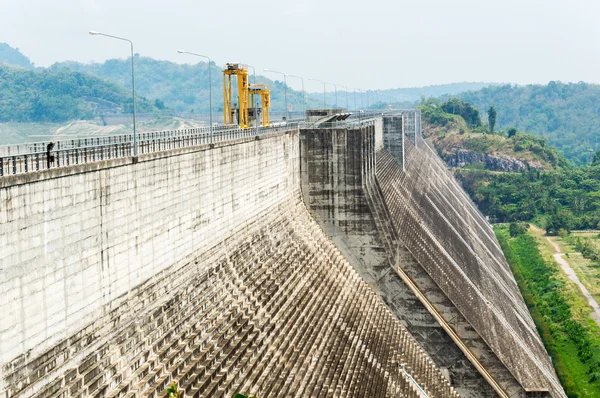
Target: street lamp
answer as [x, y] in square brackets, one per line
[303, 92]
[94, 33]
[335, 88]
[324, 91]
[209, 90]
[346, 87]
[285, 92]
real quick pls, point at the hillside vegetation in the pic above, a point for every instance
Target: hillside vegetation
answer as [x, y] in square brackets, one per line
[12, 56]
[181, 87]
[560, 314]
[462, 136]
[185, 87]
[568, 115]
[550, 190]
[59, 95]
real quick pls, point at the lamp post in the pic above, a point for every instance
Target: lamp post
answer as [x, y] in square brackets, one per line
[303, 92]
[355, 108]
[335, 88]
[94, 33]
[324, 91]
[346, 88]
[209, 89]
[362, 98]
[285, 92]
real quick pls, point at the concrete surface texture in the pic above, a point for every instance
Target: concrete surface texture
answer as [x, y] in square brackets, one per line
[341, 262]
[441, 228]
[338, 179]
[197, 266]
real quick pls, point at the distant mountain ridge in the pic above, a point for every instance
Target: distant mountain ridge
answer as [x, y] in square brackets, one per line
[567, 114]
[416, 93]
[185, 88]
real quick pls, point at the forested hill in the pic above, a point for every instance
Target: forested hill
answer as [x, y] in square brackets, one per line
[57, 96]
[182, 87]
[185, 87]
[464, 140]
[12, 56]
[568, 115]
[511, 175]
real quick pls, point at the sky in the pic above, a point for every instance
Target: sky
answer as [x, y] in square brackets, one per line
[375, 44]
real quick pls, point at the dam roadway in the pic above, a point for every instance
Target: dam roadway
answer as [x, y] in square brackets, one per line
[330, 257]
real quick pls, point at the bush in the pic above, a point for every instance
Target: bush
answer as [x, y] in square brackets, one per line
[517, 229]
[562, 219]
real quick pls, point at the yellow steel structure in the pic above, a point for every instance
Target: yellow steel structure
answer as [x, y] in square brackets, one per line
[265, 94]
[237, 113]
[229, 108]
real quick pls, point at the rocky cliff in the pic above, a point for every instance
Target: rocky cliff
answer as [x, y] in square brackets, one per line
[491, 161]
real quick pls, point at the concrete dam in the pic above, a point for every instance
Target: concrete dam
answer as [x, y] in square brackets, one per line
[336, 257]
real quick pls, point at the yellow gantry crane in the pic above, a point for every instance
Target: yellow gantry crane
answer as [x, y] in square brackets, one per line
[237, 113]
[265, 95]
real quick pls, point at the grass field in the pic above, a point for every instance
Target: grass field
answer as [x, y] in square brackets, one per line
[559, 310]
[587, 270]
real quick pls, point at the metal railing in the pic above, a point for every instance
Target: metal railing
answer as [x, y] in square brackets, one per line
[354, 120]
[127, 118]
[24, 158]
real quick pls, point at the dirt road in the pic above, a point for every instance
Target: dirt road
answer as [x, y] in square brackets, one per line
[566, 267]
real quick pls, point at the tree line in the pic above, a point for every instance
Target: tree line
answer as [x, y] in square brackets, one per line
[49, 95]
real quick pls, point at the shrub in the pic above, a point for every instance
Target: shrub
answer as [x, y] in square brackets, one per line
[517, 229]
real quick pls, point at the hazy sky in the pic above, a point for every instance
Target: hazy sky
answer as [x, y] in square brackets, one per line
[371, 44]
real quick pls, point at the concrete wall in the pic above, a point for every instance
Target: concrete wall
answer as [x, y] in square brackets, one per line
[77, 240]
[197, 266]
[393, 137]
[442, 229]
[339, 189]
[202, 266]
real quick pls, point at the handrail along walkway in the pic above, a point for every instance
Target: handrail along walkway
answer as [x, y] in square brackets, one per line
[24, 158]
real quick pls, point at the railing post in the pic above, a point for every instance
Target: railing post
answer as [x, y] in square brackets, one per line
[14, 159]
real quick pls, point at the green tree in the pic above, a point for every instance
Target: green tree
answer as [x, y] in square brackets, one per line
[492, 118]
[596, 159]
[517, 229]
[512, 132]
[562, 219]
[469, 113]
